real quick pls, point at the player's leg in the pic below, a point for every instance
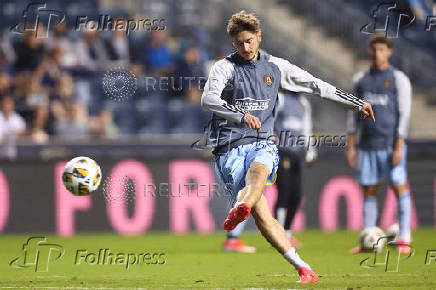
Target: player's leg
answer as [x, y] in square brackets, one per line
[283, 189]
[262, 160]
[289, 192]
[233, 243]
[295, 197]
[369, 205]
[230, 173]
[398, 179]
[255, 181]
[404, 209]
[276, 236]
[368, 176]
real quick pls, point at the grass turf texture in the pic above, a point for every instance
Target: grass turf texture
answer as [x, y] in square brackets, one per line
[196, 261]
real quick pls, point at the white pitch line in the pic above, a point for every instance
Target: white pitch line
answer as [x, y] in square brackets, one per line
[42, 277]
[69, 287]
[107, 288]
[350, 275]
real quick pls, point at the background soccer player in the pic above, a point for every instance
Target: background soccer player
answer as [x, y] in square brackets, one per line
[293, 125]
[241, 91]
[382, 149]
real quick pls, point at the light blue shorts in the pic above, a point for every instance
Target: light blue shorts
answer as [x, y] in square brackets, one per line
[231, 167]
[375, 167]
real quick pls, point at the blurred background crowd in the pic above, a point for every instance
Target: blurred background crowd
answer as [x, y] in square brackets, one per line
[51, 81]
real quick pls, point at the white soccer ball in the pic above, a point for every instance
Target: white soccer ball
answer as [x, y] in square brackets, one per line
[81, 176]
[372, 239]
[392, 232]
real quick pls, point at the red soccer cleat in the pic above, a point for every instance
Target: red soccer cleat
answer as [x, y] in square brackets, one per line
[403, 247]
[295, 242]
[236, 215]
[307, 276]
[356, 250]
[237, 246]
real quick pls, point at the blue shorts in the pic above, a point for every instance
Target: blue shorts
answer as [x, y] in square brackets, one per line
[375, 167]
[231, 167]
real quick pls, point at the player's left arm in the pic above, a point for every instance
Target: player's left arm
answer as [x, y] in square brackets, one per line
[404, 97]
[296, 79]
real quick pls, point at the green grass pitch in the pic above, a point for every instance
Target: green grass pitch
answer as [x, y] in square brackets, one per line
[196, 261]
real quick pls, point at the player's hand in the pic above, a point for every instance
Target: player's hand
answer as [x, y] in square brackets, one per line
[310, 163]
[252, 122]
[351, 157]
[310, 158]
[397, 156]
[367, 111]
[276, 138]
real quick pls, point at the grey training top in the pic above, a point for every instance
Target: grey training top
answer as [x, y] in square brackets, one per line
[236, 86]
[390, 94]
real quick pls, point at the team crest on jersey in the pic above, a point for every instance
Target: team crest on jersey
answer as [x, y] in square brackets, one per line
[387, 84]
[268, 79]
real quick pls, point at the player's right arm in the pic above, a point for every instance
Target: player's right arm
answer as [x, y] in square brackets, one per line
[220, 73]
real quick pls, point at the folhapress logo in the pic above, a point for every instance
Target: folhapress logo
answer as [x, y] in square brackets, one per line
[388, 19]
[38, 254]
[390, 260]
[36, 14]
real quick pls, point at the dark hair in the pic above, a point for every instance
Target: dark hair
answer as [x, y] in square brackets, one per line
[380, 38]
[242, 21]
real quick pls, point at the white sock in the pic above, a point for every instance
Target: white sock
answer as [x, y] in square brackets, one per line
[288, 233]
[294, 259]
[404, 209]
[236, 232]
[369, 211]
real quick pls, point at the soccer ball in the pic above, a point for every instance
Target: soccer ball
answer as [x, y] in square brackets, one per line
[392, 232]
[372, 239]
[81, 176]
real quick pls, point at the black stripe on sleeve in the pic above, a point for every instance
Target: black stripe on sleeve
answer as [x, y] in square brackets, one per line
[349, 97]
[233, 108]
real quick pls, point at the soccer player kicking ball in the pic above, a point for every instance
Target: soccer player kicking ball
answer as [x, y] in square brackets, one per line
[382, 150]
[241, 91]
